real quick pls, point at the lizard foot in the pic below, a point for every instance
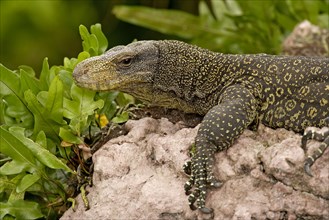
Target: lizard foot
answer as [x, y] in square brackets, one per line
[189, 184]
[201, 176]
[319, 136]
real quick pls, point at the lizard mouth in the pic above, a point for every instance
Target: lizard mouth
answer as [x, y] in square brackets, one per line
[93, 77]
[107, 79]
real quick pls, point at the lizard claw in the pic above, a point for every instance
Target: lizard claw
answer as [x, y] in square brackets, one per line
[206, 210]
[217, 184]
[214, 183]
[187, 167]
[307, 167]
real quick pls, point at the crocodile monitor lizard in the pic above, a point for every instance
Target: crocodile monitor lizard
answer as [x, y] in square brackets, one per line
[232, 91]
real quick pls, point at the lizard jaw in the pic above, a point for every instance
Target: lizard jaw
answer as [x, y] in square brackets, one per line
[88, 75]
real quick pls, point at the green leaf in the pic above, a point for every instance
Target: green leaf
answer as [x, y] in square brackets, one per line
[27, 181]
[6, 184]
[11, 186]
[110, 106]
[13, 167]
[67, 80]
[93, 45]
[43, 120]
[45, 75]
[29, 81]
[89, 43]
[121, 118]
[42, 154]
[14, 148]
[31, 103]
[54, 103]
[83, 55]
[68, 136]
[85, 100]
[41, 139]
[27, 69]
[80, 107]
[166, 21]
[21, 209]
[11, 80]
[16, 112]
[15, 195]
[102, 41]
[15, 108]
[124, 99]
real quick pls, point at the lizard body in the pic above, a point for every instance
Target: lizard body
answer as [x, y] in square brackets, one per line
[232, 91]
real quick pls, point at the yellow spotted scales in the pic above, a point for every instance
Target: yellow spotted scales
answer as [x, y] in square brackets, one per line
[232, 91]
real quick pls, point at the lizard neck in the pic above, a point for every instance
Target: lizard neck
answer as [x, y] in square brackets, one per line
[193, 75]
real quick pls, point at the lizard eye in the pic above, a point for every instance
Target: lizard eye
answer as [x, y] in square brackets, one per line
[126, 61]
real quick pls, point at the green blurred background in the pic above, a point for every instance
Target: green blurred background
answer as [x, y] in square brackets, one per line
[33, 29]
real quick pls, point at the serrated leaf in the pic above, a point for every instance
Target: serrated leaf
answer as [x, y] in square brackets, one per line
[27, 181]
[21, 209]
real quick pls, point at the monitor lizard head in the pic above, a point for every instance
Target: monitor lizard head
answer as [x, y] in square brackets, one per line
[123, 68]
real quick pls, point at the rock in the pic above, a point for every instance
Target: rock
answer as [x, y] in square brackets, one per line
[307, 40]
[140, 176]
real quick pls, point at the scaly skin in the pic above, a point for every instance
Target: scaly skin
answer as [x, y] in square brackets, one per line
[232, 91]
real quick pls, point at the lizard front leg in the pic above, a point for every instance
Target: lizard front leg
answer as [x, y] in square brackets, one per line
[219, 128]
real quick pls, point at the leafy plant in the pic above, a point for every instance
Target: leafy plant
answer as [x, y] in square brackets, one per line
[45, 123]
[238, 26]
